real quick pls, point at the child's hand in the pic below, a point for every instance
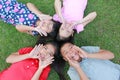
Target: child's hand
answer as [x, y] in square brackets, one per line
[72, 62]
[36, 51]
[47, 61]
[41, 32]
[82, 53]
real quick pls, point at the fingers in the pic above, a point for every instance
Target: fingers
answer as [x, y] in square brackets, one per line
[44, 33]
[36, 51]
[81, 52]
[46, 62]
[71, 26]
[41, 32]
[68, 59]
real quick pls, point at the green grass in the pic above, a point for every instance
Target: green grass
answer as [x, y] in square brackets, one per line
[104, 31]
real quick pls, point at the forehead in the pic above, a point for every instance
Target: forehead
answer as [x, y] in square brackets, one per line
[50, 48]
[63, 32]
[66, 47]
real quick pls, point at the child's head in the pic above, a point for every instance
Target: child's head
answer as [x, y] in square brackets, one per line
[65, 31]
[68, 50]
[55, 29]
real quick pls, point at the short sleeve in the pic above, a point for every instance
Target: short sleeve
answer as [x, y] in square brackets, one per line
[25, 50]
[79, 28]
[91, 49]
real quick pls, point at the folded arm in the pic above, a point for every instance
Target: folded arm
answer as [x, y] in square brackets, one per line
[102, 54]
[87, 19]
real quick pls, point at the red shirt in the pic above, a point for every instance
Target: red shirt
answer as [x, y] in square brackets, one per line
[25, 69]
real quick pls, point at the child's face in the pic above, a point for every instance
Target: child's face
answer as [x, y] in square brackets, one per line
[65, 31]
[68, 51]
[46, 25]
[47, 50]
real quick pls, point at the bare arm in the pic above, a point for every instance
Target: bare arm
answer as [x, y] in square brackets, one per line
[42, 65]
[81, 73]
[38, 12]
[76, 65]
[90, 17]
[33, 9]
[29, 29]
[58, 6]
[37, 74]
[24, 28]
[102, 54]
[16, 57]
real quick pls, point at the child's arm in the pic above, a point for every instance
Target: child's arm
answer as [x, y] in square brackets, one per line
[38, 12]
[16, 57]
[77, 67]
[101, 54]
[29, 29]
[57, 5]
[87, 19]
[42, 64]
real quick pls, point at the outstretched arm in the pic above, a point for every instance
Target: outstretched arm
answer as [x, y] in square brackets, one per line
[29, 29]
[57, 5]
[16, 57]
[101, 54]
[38, 12]
[25, 29]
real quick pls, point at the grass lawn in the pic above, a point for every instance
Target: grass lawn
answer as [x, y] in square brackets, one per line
[104, 31]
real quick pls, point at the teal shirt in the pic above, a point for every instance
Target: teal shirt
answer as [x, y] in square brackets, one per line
[96, 69]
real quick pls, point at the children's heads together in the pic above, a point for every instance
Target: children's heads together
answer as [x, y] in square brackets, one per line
[55, 44]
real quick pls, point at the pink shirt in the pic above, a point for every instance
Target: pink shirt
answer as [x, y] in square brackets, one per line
[73, 10]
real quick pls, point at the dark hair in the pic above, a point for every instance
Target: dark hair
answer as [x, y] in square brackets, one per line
[58, 63]
[55, 30]
[68, 39]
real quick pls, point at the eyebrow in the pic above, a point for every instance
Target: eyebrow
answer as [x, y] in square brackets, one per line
[68, 48]
[50, 52]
